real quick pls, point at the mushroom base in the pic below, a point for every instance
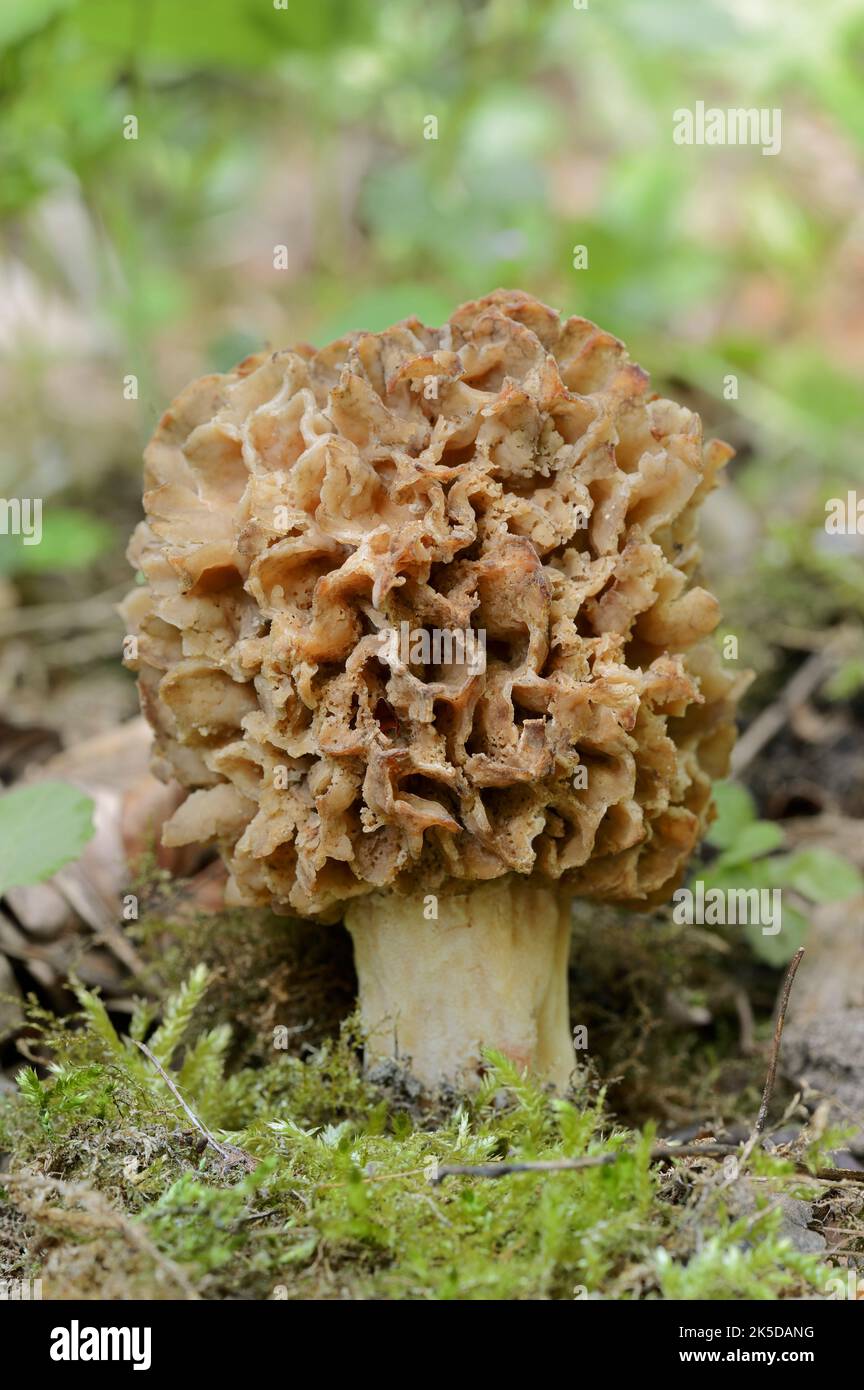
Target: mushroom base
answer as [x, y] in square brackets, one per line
[489, 971]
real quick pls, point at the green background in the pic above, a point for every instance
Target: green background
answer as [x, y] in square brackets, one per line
[304, 127]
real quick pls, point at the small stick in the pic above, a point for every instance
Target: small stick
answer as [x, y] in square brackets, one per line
[229, 1152]
[762, 1117]
[839, 1176]
[659, 1151]
[835, 1177]
[573, 1165]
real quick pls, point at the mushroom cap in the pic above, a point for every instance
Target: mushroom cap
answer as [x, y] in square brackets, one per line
[509, 476]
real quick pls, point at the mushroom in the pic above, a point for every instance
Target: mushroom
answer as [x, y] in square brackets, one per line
[420, 633]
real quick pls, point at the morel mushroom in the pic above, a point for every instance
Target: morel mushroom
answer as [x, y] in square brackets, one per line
[420, 632]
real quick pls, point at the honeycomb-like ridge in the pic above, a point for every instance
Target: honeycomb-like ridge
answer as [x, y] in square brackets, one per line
[511, 473]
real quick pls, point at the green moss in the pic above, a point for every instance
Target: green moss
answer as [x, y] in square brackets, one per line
[340, 1203]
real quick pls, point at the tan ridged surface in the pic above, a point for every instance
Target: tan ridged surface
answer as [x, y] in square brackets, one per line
[304, 502]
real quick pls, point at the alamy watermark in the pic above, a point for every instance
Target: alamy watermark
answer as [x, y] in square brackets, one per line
[436, 646]
[77, 1343]
[21, 516]
[720, 907]
[844, 516]
[851, 1288]
[701, 125]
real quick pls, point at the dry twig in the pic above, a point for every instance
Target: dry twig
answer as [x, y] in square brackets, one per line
[770, 1079]
[573, 1165]
[659, 1151]
[229, 1152]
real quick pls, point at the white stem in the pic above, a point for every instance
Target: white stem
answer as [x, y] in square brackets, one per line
[489, 971]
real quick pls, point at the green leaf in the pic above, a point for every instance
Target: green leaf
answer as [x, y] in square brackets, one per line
[42, 828]
[218, 33]
[846, 681]
[142, 1017]
[69, 540]
[728, 877]
[823, 876]
[21, 18]
[735, 809]
[778, 950]
[753, 841]
[765, 874]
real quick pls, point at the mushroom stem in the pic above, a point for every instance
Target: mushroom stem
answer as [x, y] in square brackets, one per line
[489, 971]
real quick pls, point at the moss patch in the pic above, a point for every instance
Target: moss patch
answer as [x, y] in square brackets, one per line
[114, 1190]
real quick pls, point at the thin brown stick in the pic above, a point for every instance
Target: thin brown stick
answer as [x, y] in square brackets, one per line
[834, 1177]
[762, 1117]
[574, 1165]
[658, 1154]
[229, 1152]
[837, 1175]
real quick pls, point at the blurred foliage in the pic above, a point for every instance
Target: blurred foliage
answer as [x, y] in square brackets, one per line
[41, 828]
[70, 539]
[747, 862]
[304, 125]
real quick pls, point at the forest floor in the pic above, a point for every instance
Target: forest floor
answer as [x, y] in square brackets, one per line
[242, 1153]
